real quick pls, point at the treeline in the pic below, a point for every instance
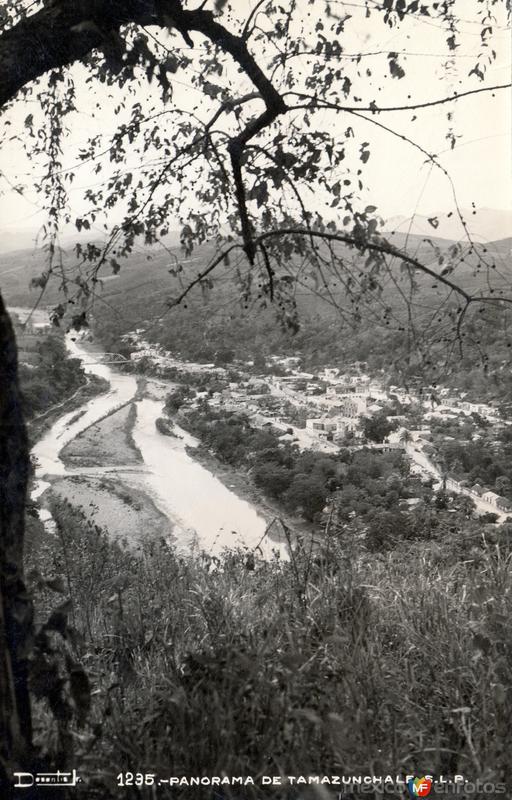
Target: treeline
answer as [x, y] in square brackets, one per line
[52, 378]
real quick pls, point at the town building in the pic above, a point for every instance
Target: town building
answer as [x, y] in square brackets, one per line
[356, 406]
[321, 425]
[491, 498]
[331, 373]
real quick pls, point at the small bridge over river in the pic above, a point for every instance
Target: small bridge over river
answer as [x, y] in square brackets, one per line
[105, 358]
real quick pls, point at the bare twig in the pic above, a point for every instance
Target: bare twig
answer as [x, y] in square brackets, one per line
[317, 102]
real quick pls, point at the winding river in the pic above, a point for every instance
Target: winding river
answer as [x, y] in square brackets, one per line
[204, 513]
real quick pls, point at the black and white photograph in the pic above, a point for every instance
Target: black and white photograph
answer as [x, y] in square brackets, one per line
[255, 399]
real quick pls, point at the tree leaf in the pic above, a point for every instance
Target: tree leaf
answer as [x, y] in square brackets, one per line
[212, 89]
[394, 67]
[57, 584]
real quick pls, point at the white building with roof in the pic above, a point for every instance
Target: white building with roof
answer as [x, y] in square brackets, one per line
[491, 497]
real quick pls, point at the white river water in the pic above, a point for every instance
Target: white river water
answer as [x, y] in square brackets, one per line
[203, 511]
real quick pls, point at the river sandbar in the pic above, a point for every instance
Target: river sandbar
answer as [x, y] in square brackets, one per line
[120, 507]
[107, 442]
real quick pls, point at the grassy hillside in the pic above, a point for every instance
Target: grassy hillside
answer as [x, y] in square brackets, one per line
[362, 663]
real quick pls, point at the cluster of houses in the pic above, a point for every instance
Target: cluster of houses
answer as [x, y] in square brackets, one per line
[442, 400]
[493, 499]
[338, 402]
[332, 403]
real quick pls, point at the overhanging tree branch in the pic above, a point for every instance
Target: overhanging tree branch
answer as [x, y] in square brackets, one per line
[79, 30]
[378, 246]
[236, 147]
[317, 102]
[64, 32]
[56, 36]
[383, 247]
[431, 158]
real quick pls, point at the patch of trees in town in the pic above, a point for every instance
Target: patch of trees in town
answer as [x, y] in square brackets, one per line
[176, 398]
[302, 481]
[377, 427]
[485, 461]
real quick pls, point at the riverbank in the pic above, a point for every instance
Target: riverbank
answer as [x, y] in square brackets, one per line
[94, 387]
[239, 482]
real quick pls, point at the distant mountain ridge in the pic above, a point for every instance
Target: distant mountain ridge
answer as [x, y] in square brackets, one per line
[12, 241]
[484, 224]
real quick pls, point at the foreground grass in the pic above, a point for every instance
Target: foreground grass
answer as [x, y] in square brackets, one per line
[348, 665]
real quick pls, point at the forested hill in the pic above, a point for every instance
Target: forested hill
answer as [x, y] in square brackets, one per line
[217, 318]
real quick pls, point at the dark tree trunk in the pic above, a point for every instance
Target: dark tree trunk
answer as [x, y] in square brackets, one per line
[15, 605]
[58, 34]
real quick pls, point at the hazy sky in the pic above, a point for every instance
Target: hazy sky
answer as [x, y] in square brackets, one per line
[397, 179]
